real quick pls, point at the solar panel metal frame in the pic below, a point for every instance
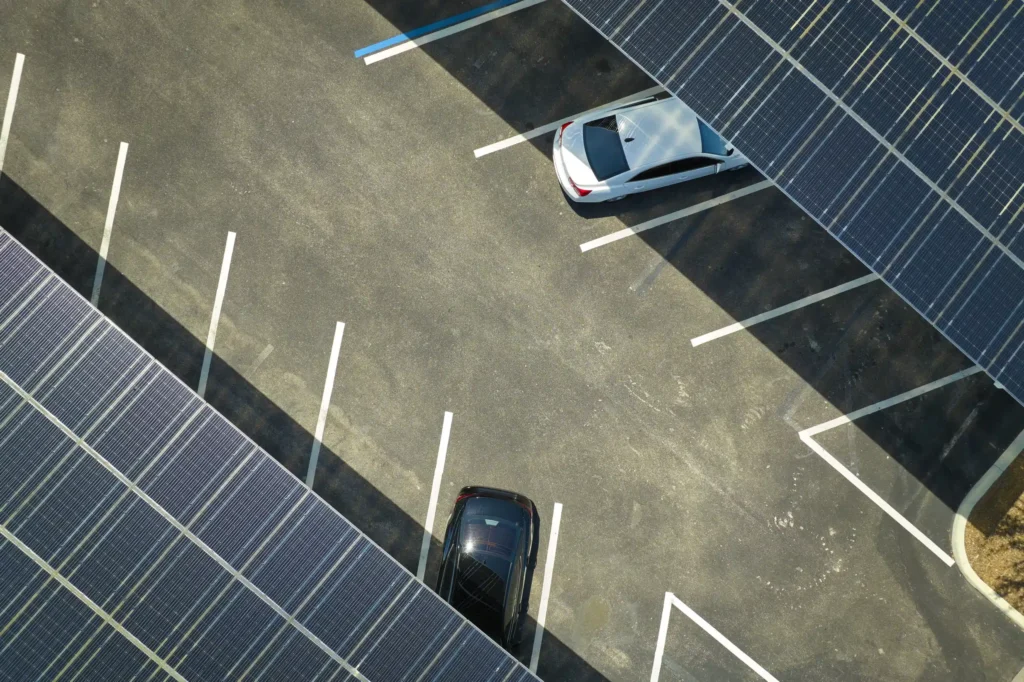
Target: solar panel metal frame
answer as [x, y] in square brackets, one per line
[148, 538]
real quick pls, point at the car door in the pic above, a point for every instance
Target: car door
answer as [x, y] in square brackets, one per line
[672, 172]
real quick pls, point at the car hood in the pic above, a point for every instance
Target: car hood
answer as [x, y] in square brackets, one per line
[574, 156]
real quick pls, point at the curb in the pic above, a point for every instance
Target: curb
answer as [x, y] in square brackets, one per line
[960, 528]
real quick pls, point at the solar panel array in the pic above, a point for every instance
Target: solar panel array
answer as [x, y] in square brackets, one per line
[145, 538]
[894, 123]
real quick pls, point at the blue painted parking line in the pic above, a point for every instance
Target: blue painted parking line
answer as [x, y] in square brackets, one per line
[436, 26]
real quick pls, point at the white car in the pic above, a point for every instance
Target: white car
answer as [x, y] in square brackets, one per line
[643, 145]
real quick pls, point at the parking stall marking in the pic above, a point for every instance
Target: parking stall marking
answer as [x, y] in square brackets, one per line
[807, 436]
[672, 601]
[435, 489]
[108, 225]
[788, 308]
[218, 301]
[675, 215]
[12, 99]
[325, 403]
[422, 39]
[545, 592]
[552, 127]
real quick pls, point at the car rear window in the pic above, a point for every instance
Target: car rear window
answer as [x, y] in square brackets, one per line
[490, 535]
[603, 147]
[710, 141]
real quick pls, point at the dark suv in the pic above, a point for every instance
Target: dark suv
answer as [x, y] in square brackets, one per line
[490, 552]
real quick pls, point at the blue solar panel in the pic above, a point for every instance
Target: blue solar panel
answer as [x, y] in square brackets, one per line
[897, 128]
[143, 537]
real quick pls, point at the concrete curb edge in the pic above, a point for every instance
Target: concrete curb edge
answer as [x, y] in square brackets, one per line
[960, 527]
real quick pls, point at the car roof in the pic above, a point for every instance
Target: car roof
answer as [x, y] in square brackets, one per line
[658, 132]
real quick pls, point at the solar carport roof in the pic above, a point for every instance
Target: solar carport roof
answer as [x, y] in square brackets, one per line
[894, 123]
[143, 537]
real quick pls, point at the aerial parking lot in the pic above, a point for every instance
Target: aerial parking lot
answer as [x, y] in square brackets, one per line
[746, 452]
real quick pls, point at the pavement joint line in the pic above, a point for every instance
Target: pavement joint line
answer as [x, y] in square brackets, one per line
[435, 489]
[218, 301]
[430, 28]
[671, 601]
[260, 359]
[451, 30]
[12, 99]
[325, 403]
[963, 513]
[782, 310]
[552, 127]
[108, 225]
[807, 436]
[675, 215]
[545, 592]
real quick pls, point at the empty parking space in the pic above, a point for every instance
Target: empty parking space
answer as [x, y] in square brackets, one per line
[481, 347]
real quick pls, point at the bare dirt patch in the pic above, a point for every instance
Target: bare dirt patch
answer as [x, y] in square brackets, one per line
[995, 536]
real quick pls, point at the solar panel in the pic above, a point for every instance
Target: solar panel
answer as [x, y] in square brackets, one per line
[896, 126]
[143, 537]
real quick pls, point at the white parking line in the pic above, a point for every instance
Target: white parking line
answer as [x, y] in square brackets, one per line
[807, 436]
[325, 403]
[218, 301]
[435, 489]
[788, 308]
[676, 215]
[108, 225]
[12, 98]
[260, 359]
[545, 592]
[552, 127]
[672, 601]
[451, 30]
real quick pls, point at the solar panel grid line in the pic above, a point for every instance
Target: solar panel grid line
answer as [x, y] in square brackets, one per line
[10, 537]
[26, 300]
[995, 41]
[775, 67]
[850, 112]
[951, 67]
[285, 626]
[215, 604]
[182, 529]
[128, 398]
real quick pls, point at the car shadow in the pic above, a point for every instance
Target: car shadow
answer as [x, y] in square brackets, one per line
[233, 396]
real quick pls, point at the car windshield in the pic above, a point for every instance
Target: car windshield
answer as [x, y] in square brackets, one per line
[489, 534]
[603, 147]
[710, 141]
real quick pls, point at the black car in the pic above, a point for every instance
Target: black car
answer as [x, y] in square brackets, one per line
[490, 552]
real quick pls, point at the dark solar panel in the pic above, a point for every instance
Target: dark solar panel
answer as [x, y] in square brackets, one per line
[895, 124]
[143, 537]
